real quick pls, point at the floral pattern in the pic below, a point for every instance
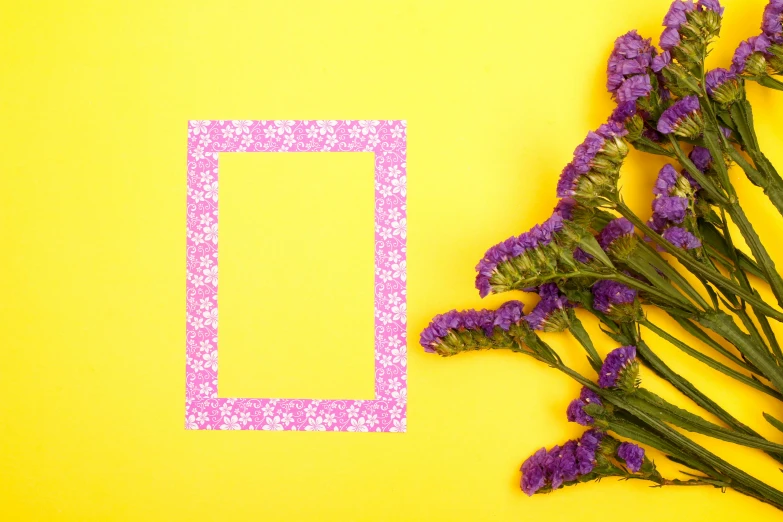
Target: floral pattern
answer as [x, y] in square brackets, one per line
[205, 410]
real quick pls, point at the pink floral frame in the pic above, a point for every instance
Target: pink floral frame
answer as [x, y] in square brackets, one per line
[204, 409]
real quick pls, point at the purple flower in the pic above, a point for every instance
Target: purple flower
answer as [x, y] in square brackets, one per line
[585, 452]
[681, 238]
[662, 60]
[623, 112]
[443, 324]
[617, 360]
[539, 235]
[607, 294]
[632, 454]
[756, 44]
[551, 469]
[667, 180]
[711, 5]
[533, 472]
[771, 21]
[582, 256]
[631, 55]
[701, 158]
[717, 77]
[676, 15]
[542, 315]
[670, 38]
[575, 411]
[614, 230]
[670, 208]
[565, 208]
[672, 118]
[634, 88]
[508, 314]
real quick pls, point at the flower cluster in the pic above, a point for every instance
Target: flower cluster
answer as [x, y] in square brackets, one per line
[446, 332]
[576, 409]
[675, 193]
[593, 173]
[772, 21]
[517, 255]
[620, 369]
[632, 454]
[683, 118]
[551, 313]
[550, 470]
[628, 66]
[723, 86]
[615, 299]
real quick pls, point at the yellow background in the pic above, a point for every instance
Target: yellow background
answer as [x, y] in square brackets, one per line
[94, 103]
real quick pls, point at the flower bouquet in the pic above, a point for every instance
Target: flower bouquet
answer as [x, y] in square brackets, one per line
[595, 254]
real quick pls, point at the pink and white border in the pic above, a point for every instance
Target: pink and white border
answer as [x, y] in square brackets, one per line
[204, 409]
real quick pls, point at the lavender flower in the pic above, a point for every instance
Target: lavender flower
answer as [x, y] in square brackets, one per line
[610, 295]
[575, 411]
[683, 118]
[615, 365]
[632, 455]
[670, 208]
[614, 230]
[772, 21]
[681, 238]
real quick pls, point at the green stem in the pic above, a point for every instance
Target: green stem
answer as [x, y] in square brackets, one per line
[712, 363]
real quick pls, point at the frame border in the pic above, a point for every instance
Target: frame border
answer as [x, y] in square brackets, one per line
[387, 139]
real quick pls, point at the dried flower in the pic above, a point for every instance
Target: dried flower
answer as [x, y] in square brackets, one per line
[510, 313]
[663, 59]
[681, 238]
[613, 231]
[683, 118]
[632, 455]
[670, 208]
[701, 158]
[772, 21]
[444, 333]
[631, 57]
[575, 411]
[750, 56]
[616, 299]
[634, 88]
[545, 471]
[620, 369]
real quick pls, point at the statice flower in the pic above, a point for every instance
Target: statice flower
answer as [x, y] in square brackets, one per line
[701, 158]
[670, 208]
[510, 313]
[675, 17]
[614, 230]
[631, 57]
[632, 455]
[620, 369]
[448, 332]
[575, 411]
[615, 299]
[681, 238]
[667, 181]
[551, 313]
[750, 56]
[595, 168]
[514, 250]
[710, 5]
[546, 471]
[662, 60]
[683, 118]
[634, 88]
[772, 21]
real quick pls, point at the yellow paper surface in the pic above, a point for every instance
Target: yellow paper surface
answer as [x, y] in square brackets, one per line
[95, 99]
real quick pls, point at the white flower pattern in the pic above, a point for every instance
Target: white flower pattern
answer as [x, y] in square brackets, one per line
[204, 409]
